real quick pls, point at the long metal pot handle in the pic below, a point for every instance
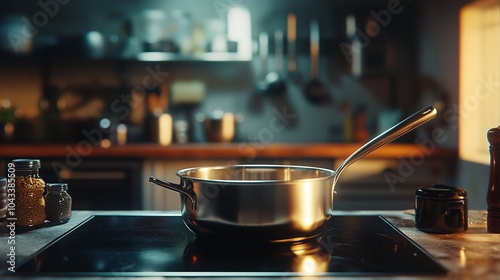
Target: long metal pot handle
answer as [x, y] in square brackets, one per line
[403, 127]
[177, 188]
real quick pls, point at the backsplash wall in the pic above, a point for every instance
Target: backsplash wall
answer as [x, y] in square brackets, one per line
[231, 86]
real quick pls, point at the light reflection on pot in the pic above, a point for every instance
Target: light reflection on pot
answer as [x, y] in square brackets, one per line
[310, 261]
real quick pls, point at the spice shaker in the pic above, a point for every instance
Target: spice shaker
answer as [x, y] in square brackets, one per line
[57, 202]
[30, 203]
[493, 195]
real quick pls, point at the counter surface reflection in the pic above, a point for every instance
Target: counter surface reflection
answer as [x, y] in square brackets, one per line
[161, 245]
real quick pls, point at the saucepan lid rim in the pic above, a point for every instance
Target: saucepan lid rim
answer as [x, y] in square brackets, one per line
[328, 174]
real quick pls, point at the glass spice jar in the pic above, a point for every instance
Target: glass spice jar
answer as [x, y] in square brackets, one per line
[58, 202]
[30, 203]
[3, 198]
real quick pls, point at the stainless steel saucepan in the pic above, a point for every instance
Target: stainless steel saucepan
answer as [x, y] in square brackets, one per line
[262, 203]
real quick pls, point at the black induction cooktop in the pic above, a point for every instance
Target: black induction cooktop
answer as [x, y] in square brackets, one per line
[162, 246]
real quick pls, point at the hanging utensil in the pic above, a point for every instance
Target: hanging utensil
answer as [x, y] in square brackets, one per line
[275, 84]
[292, 51]
[315, 91]
[271, 83]
[263, 55]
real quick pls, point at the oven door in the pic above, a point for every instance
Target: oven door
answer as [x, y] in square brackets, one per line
[98, 184]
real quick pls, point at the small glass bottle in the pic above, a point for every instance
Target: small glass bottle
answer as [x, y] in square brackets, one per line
[29, 203]
[57, 202]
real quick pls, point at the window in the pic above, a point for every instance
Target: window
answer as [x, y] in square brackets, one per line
[479, 80]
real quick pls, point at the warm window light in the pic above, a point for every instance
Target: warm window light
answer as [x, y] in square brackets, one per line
[479, 81]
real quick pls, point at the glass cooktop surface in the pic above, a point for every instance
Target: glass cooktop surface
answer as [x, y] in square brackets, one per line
[162, 246]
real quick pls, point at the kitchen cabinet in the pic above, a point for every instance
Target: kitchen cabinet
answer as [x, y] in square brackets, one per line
[99, 184]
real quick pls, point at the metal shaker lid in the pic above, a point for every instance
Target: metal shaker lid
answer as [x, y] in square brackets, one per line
[27, 164]
[57, 186]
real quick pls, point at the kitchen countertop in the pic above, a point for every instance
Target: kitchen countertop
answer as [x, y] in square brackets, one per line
[226, 150]
[474, 254]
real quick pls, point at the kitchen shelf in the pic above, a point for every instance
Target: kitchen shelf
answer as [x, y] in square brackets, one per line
[226, 151]
[140, 57]
[209, 56]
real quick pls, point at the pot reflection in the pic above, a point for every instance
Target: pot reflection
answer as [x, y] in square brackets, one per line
[310, 258]
[307, 257]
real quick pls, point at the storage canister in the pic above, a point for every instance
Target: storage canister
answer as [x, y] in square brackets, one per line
[441, 209]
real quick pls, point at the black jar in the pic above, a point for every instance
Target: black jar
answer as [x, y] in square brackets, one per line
[441, 209]
[57, 202]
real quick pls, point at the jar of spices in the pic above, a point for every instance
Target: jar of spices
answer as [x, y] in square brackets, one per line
[3, 198]
[57, 202]
[29, 203]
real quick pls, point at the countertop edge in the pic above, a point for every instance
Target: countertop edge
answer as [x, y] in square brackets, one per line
[242, 150]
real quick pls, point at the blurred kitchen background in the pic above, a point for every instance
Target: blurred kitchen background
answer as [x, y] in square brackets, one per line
[170, 73]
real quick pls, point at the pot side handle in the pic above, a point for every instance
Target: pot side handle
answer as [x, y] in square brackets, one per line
[177, 188]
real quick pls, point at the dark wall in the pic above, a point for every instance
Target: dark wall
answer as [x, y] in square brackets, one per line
[390, 61]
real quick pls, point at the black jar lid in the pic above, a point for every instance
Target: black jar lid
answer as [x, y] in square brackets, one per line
[57, 186]
[27, 164]
[441, 192]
